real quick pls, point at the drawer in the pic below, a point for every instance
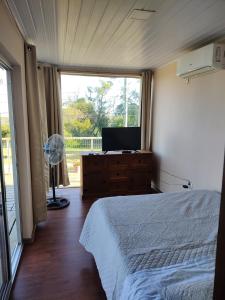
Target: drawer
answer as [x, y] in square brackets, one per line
[93, 164]
[117, 175]
[139, 180]
[116, 163]
[120, 186]
[141, 162]
[94, 181]
[131, 161]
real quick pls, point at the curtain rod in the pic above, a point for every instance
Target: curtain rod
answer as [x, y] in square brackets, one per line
[84, 71]
[100, 72]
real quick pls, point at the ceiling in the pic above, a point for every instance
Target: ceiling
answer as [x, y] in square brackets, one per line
[97, 33]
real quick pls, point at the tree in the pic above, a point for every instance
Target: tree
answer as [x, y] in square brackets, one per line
[134, 97]
[133, 114]
[78, 128]
[120, 109]
[117, 121]
[87, 116]
[79, 118]
[5, 129]
[97, 96]
[132, 102]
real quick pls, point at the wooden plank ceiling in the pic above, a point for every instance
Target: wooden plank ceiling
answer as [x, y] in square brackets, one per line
[98, 33]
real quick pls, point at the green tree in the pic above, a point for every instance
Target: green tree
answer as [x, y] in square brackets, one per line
[79, 118]
[120, 109]
[78, 128]
[97, 95]
[87, 116]
[134, 97]
[133, 114]
[5, 129]
[117, 121]
[132, 108]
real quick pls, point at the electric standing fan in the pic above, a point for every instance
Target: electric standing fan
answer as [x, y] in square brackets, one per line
[54, 153]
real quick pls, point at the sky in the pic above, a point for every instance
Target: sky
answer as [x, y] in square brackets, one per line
[75, 85]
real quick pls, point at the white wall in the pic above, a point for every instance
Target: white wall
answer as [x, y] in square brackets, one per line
[189, 129]
[12, 49]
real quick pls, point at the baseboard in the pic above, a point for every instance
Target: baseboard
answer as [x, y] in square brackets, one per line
[32, 238]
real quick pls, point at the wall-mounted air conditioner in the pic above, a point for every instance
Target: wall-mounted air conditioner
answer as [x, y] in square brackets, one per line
[206, 59]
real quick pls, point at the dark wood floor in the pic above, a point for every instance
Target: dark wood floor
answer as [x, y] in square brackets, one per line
[56, 266]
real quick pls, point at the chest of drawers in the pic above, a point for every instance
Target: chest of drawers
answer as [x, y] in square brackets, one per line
[113, 174]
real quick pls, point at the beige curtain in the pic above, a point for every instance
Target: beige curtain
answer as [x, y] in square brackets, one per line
[35, 136]
[146, 110]
[49, 79]
[44, 125]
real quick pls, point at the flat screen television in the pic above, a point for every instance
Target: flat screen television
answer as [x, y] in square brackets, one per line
[121, 138]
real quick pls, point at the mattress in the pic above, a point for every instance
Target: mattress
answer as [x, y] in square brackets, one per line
[127, 234]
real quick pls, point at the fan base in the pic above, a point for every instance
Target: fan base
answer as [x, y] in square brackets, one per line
[57, 203]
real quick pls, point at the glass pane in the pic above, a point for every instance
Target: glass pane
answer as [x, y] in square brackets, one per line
[90, 103]
[3, 257]
[7, 135]
[0, 276]
[1, 231]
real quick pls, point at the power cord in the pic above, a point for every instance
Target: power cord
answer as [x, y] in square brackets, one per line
[185, 186]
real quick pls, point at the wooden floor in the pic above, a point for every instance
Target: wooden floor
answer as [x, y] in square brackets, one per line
[56, 266]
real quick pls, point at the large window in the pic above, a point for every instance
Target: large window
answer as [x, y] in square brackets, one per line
[91, 103]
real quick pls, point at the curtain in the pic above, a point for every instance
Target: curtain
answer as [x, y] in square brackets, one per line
[49, 78]
[146, 110]
[35, 136]
[44, 125]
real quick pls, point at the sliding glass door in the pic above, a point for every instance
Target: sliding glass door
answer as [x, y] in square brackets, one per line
[9, 163]
[10, 202]
[4, 257]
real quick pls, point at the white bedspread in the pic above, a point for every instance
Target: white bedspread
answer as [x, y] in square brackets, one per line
[188, 280]
[127, 234]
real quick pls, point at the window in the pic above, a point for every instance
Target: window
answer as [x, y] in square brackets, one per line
[90, 103]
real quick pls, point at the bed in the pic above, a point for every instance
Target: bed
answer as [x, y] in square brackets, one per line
[141, 238]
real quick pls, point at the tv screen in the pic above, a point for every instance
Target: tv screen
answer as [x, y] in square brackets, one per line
[121, 138]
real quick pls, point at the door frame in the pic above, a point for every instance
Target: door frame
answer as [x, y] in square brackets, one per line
[18, 250]
[4, 242]
[219, 286]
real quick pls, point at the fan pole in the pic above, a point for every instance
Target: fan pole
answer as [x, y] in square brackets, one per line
[53, 183]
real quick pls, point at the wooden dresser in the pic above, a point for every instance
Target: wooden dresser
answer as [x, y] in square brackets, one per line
[115, 173]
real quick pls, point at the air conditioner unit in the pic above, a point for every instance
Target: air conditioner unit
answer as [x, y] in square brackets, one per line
[206, 59]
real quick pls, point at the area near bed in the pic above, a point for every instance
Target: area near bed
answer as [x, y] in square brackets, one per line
[128, 234]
